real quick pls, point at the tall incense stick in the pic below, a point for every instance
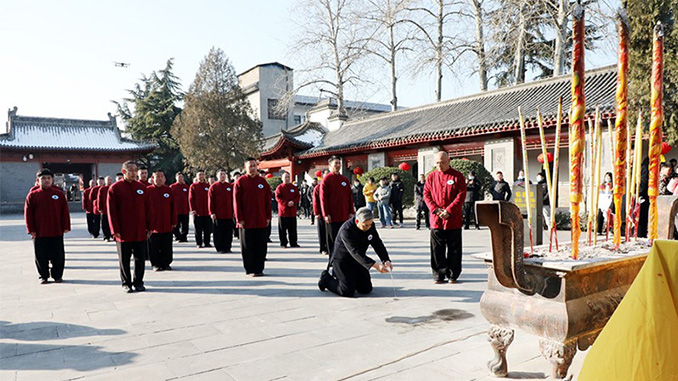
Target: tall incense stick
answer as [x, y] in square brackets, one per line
[596, 177]
[621, 124]
[656, 97]
[554, 189]
[527, 175]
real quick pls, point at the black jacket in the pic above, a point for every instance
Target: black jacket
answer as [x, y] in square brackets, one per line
[358, 197]
[500, 190]
[352, 243]
[472, 191]
[546, 192]
[397, 191]
[419, 194]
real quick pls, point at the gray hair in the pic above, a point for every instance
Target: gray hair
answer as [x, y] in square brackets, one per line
[364, 214]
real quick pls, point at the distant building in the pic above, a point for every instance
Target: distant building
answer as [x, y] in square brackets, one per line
[70, 148]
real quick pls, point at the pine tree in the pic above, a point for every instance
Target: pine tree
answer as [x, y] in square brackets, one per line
[215, 129]
[149, 114]
[643, 15]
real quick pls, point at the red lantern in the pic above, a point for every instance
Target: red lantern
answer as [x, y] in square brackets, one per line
[549, 156]
[318, 173]
[404, 166]
[665, 148]
[357, 171]
[269, 176]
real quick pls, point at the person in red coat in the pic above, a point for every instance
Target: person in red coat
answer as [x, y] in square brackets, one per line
[180, 190]
[252, 197]
[336, 201]
[96, 216]
[318, 213]
[47, 220]
[143, 176]
[163, 220]
[197, 202]
[88, 207]
[444, 194]
[220, 204]
[288, 196]
[130, 218]
[102, 200]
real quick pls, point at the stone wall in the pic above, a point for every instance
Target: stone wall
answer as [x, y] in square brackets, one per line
[17, 179]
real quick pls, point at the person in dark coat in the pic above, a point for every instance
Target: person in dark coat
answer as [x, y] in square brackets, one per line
[396, 201]
[350, 264]
[220, 205]
[336, 200]
[472, 195]
[47, 220]
[163, 220]
[644, 198]
[318, 213]
[287, 196]
[500, 190]
[180, 190]
[88, 207]
[310, 197]
[197, 202]
[422, 209]
[358, 198]
[305, 200]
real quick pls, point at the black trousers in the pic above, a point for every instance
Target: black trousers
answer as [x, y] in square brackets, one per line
[181, 230]
[332, 230]
[125, 252]
[307, 210]
[203, 229]
[93, 224]
[253, 247]
[348, 277]
[643, 219]
[287, 226]
[397, 211]
[470, 210]
[160, 246]
[312, 218]
[322, 235]
[50, 249]
[223, 234]
[446, 253]
[423, 213]
[105, 226]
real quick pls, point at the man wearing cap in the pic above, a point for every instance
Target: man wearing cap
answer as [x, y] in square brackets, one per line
[163, 219]
[351, 266]
[47, 220]
[288, 196]
[102, 200]
[197, 201]
[252, 197]
[444, 194]
[180, 191]
[220, 204]
[130, 217]
[336, 200]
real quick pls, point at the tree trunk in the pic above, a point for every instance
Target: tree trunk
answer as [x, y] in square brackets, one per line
[560, 37]
[519, 56]
[439, 53]
[394, 97]
[480, 44]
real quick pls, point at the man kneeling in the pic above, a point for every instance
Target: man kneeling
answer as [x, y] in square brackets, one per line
[351, 265]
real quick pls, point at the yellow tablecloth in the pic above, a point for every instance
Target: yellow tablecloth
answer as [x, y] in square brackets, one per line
[640, 342]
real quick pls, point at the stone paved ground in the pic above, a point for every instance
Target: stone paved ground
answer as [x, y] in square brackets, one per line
[208, 321]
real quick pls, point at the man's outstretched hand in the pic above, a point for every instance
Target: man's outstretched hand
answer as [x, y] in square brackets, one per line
[383, 267]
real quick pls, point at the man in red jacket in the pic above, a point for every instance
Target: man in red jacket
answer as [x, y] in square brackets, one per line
[102, 199]
[288, 196]
[197, 201]
[220, 204]
[130, 217]
[88, 207]
[336, 201]
[163, 220]
[143, 176]
[318, 213]
[180, 189]
[252, 197]
[444, 194]
[47, 220]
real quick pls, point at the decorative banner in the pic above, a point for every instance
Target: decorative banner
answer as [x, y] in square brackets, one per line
[656, 98]
[621, 124]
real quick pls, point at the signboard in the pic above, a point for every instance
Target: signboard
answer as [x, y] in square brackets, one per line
[536, 195]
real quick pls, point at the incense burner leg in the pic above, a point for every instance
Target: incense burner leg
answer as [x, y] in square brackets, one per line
[559, 354]
[500, 338]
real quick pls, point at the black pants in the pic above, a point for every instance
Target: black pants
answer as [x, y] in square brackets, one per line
[125, 252]
[287, 226]
[423, 213]
[312, 218]
[50, 249]
[253, 247]
[322, 235]
[446, 253]
[223, 234]
[397, 211]
[160, 246]
[348, 277]
[203, 229]
[105, 226]
[470, 210]
[332, 230]
[181, 230]
[307, 210]
[643, 218]
[93, 224]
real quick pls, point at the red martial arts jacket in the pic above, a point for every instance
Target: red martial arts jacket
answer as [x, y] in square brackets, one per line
[129, 211]
[180, 197]
[102, 199]
[336, 197]
[317, 210]
[445, 190]
[146, 183]
[46, 213]
[197, 198]
[252, 197]
[220, 200]
[86, 202]
[285, 193]
[93, 195]
[163, 211]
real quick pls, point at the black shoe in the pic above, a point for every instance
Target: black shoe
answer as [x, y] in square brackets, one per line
[418, 228]
[58, 280]
[43, 281]
[200, 246]
[323, 279]
[477, 227]
[140, 288]
[256, 275]
[465, 227]
[208, 245]
[269, 241]
[156, 268]
[295, 246]
[127, 289]
[168, 268]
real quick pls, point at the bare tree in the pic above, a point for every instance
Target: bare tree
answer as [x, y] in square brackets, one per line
[479, 43]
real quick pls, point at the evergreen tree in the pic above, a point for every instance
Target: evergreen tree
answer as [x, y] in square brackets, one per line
[643, 15]
[149, 114]
[215, 129]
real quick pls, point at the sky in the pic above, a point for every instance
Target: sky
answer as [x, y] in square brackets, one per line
[58, 56]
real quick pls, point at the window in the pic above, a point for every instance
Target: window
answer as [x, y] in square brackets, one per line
[273, 112]
[297, 119]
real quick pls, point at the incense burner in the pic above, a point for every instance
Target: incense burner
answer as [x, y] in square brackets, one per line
[564, 302]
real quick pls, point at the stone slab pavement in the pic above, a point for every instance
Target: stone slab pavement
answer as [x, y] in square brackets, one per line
[207, 321]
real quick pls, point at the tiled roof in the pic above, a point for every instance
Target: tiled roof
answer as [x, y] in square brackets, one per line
[302, 136]
[53, 134]
[486, 112]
